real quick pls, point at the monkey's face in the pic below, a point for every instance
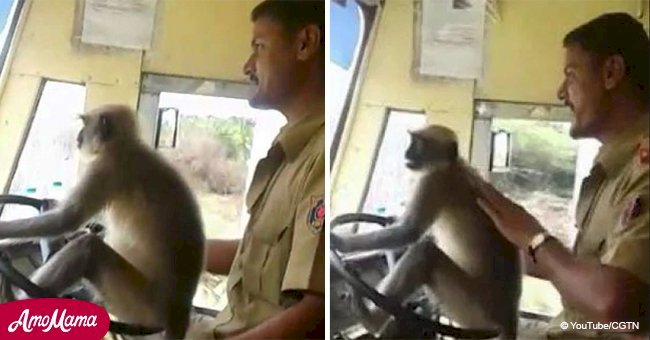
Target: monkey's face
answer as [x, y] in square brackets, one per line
[108, 127]
[415, 153]
[431, 147]
[97, 130]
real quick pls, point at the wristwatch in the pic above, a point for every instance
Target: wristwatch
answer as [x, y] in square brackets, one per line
[537, 241]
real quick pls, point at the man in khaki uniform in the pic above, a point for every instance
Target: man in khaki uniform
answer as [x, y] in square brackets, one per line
[283, 248]
[612, 216]
[276, 273]
[605, 278]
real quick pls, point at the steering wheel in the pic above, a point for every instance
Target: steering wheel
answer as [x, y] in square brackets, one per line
[16, 278]
[408, 320]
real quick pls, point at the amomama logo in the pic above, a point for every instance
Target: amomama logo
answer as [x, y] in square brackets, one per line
[52, 319]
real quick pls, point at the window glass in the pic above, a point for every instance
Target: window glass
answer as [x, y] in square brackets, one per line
[346, 31]
[47, 164]
[391, 182]
[220, 140]
[9, 12]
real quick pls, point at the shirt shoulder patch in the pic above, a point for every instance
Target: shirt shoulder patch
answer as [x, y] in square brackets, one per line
[316, 215]
[633, 210]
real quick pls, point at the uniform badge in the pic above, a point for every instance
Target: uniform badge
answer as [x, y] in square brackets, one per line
[633, 210]
[316, 215]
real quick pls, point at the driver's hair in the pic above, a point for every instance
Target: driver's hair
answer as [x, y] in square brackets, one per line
[294, 15]
[617, 34]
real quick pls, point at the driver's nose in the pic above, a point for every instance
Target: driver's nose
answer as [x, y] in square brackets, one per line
[249, 66]
[561, 91]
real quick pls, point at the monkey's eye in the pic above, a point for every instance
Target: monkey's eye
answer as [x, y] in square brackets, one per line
[105, 128]
[418, 144]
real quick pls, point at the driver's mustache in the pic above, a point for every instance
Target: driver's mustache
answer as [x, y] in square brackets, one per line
[252, 77]
[568, 103]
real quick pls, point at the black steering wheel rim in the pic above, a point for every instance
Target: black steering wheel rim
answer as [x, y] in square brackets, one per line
[16, 278]
[387, 304]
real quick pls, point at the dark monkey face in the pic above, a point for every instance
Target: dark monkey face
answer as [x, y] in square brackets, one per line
[96, 131]
[431, 146]
[415, 153]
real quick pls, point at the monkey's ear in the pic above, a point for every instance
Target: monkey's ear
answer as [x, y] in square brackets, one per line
[416, 136]
[413, 133]
[105, 128]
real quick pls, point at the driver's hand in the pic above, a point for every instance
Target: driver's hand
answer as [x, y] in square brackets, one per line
[511, 219]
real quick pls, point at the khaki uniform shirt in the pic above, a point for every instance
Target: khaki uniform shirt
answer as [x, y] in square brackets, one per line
[283, 247]
[612, 217]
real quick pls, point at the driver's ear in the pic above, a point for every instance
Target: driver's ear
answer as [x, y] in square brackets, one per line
[309, 42]
[613, 71]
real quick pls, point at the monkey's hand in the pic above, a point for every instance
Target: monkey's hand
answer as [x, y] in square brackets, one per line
[390, 220]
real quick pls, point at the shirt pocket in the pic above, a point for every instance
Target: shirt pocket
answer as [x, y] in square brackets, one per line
[266, 263]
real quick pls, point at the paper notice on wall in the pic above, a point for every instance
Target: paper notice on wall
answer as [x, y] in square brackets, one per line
[451, 38]
[119, 23]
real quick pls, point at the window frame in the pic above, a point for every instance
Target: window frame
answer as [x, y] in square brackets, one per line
[153, 84]
[159, 123]
[370, 19]
[12, 19]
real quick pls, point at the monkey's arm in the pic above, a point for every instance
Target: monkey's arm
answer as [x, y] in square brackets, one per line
[422, 211]
[392, 237]
[86, 199]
